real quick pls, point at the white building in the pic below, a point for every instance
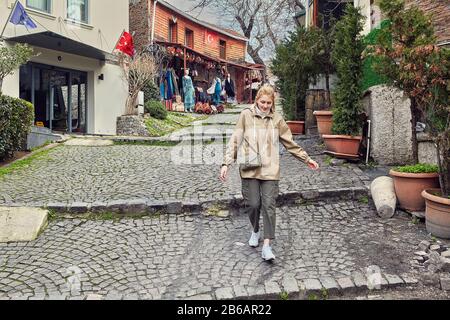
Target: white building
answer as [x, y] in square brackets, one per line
[73, 82]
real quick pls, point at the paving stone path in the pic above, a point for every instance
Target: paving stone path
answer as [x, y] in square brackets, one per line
[334, 245]
[181, 256]
[93, 174]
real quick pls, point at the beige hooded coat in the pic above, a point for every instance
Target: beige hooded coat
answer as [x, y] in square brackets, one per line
[254, 133]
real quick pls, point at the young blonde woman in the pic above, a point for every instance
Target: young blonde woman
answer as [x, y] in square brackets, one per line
[257, 133]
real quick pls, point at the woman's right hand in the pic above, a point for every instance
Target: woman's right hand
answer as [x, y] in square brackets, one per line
[223, 173]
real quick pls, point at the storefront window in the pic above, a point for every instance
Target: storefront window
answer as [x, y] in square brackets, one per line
[78, 10]
[41, 5]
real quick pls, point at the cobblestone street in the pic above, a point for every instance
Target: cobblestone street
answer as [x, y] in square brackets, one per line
[183, 256]
[322, 244]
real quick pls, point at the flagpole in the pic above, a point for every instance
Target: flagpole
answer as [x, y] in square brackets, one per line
[7, 20]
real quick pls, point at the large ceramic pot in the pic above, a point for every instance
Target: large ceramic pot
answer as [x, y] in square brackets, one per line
[342, 146]
[409, 187]
[324, 121]
[437, 214]
[297, 127]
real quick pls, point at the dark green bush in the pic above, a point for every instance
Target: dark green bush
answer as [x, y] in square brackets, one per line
[16, 119]
[156, 109]
[151, 92]
[347, 52]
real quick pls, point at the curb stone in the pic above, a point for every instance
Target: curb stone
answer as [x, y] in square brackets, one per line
[178, 207]
[307, 287]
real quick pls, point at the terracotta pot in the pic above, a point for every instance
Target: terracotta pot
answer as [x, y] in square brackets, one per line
[437, 214]
[324, 121]
[342, 144]
[297, 127]
[409, 187]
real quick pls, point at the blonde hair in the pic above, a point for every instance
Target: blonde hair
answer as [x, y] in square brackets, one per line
[266, 90]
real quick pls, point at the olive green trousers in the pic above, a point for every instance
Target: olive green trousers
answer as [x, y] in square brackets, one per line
[260, 197]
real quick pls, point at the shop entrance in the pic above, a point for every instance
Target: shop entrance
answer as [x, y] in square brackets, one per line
[59, 96]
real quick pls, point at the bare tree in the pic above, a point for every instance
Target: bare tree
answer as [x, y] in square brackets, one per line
[264, 22]
[137, 72]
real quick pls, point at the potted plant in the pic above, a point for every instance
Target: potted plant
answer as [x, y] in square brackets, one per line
[406, 55]
[324, 121]
[347, 53]
[410, 181]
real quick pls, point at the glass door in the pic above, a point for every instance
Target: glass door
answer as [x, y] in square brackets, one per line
[59, 96]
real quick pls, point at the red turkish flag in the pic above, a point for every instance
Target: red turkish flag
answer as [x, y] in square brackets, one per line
[211, 39]
[126, 45]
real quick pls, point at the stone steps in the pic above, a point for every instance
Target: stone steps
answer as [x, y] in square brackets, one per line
[149, 206]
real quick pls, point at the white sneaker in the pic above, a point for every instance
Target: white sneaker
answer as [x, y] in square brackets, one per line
[267, 253]
[254, 240]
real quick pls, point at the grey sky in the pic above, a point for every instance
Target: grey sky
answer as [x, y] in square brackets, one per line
[186, 5]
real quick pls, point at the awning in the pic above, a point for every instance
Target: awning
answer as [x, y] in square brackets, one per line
[246, 65]
[54, 41]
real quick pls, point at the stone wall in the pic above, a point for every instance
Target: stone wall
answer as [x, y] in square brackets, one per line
[390, 115]
[131, 126]
[427, 149]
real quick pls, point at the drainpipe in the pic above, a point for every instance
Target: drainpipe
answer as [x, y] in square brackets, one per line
[368, 140]
[153, 20]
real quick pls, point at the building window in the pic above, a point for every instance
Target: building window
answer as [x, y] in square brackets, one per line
[41, 5]
[173, 32]
[189, 38]
[223, 49]
[78, 10]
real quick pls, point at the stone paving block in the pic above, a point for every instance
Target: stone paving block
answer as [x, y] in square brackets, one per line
[445, 282]
[393, 280]
[224, 293]
[310, 194]
[360, 280]
[78, 207]
[330, 284]
[98, 206]
[312, 285]
[21, 224]
[240, 292]
[346, 284]
[290, 285]
[115, 206]
[136, 206]
[272, 289]
[409, 279]
[174, 207]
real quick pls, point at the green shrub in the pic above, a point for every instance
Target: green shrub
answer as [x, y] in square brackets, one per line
[16, 119]
[347, 52]
[156, 109]
[151, 92]
[418, 168]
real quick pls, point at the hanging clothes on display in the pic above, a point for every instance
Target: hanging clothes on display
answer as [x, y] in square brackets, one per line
[170, 88]
[217, 92]
[229, 89]
[175, 82]
[189, 92]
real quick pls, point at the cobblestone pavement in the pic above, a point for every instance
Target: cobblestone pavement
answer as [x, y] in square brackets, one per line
[181, 256]
[126, 172]
[87, 174]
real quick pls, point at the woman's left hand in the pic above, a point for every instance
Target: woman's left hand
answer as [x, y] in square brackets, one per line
[313, 165]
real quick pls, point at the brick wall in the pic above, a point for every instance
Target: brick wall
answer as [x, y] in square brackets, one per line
[141, 10]
[440, 12]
